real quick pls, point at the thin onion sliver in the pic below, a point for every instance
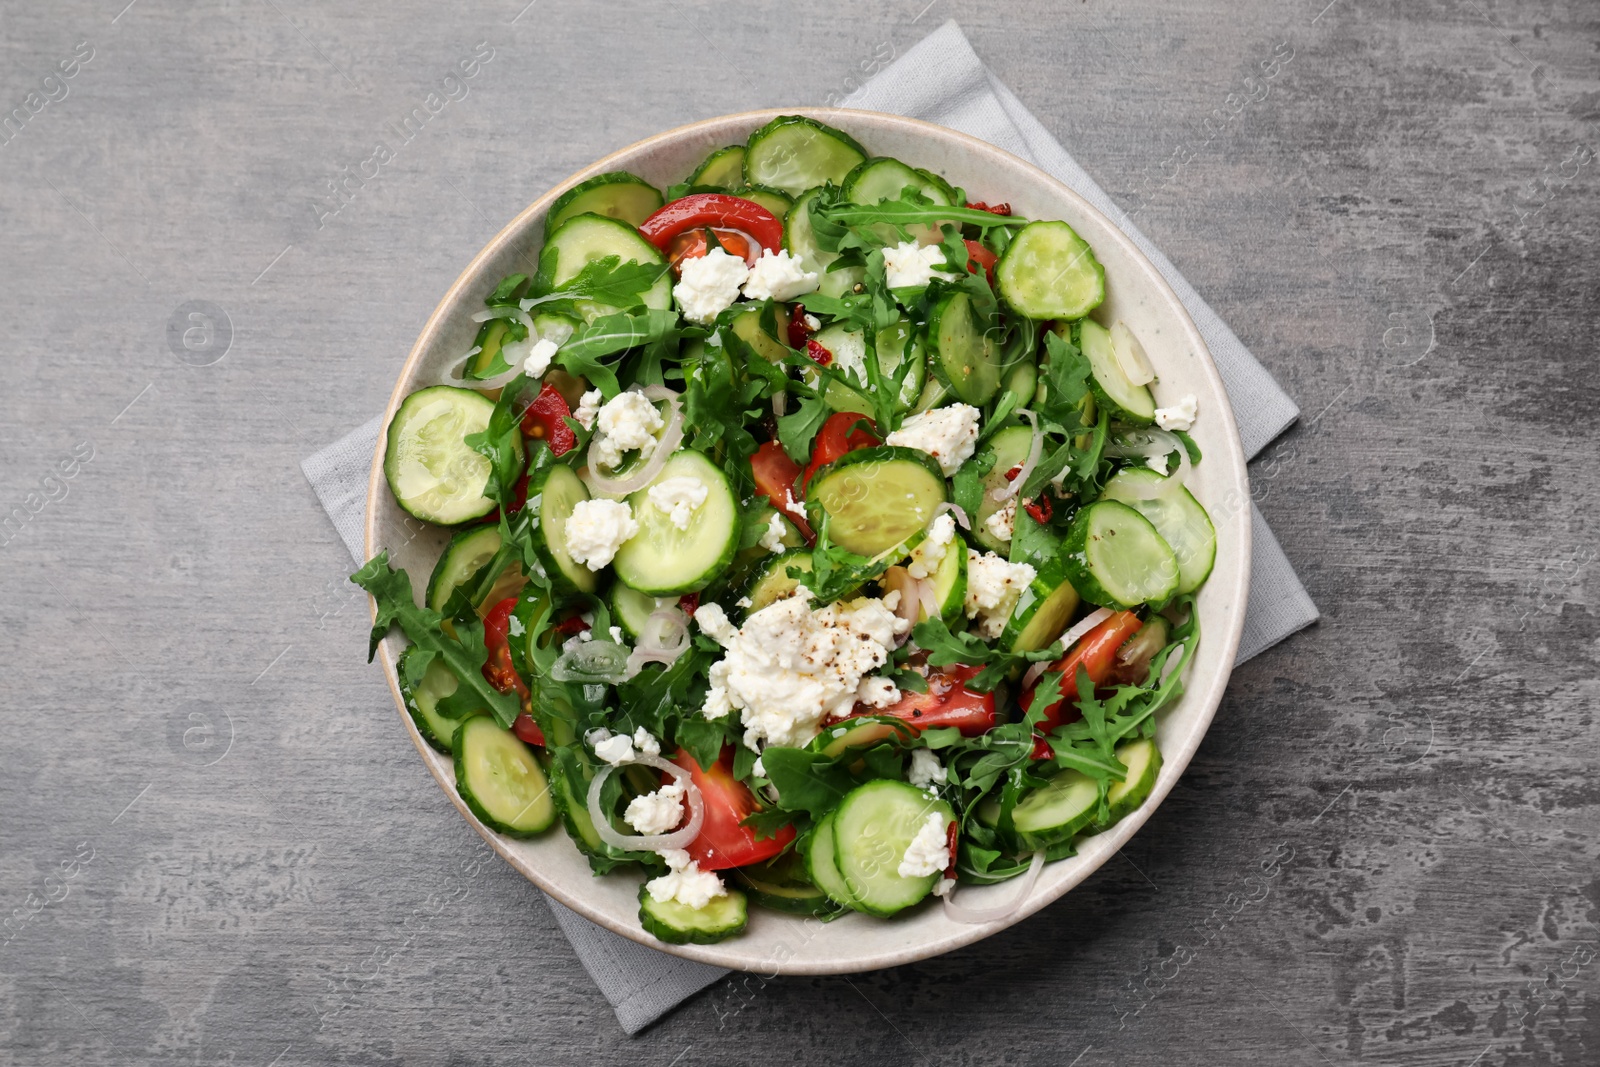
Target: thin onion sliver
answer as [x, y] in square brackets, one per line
[1001, 912]
[1068, 639]
[648, 842]
[666, 445]
[1013, 487]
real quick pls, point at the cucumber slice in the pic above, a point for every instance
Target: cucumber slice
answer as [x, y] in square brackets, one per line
[881, 178]
[1116, 559]
[964, 357]
[631, 609]
[1049, 272]
[781, 884]
[555, 492]
[950, 583]
[549, 326]
[678, 924]
[722, 169]
[860, 732]
[849, 350]
[774, 201]
[492, 337]
[793, 154]
[500, 780]
[422, 702]
[822, 865]
[1108, 384]
[617, 195]
[662, 560]
[1143, 760]
[1042, 612]
[1057, 811]
[583, 239]
[934, 394]
[1010, 447]
[877, 498]
[467, 553]
[773, 583]
[432, 472]
[1022, 383]
[872, 828]
[1177, 516]
[801, 243]
[747, 325]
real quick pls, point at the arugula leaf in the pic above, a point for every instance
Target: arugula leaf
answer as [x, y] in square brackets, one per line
[607, 280]
[464, 654]
[610, 334]
[806, 781]
[797, 429]
[966, 488]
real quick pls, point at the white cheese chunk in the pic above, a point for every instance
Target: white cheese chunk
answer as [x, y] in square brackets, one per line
[948, 434]
[1179, 416]
[993, 586]
[628, 421]
[656, 813]
[909, 265]
[929, 851]
[596, 529]
[778, 276]
[679, 498]
[709, 284]
[685, 882]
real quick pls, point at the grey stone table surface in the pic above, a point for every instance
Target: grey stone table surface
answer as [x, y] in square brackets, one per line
[217, 844]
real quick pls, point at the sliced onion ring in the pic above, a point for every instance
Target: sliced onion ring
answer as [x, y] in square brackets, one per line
[1000, 912]
[1130, 355]
[1151, 442]
[899, 579]
[930, 605]
[1014, 486]
[955, 509]
[780, 403]
[1068, 639]
[666, 445]
[648, 842]
[663, 638]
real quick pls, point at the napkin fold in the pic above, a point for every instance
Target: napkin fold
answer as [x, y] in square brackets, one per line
[939, 80]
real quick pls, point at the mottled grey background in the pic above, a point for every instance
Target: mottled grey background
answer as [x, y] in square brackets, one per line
[217, 844]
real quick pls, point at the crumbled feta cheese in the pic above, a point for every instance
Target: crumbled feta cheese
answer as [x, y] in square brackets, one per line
[877, 692]
[656, 813]
[539, 357]
[927, 556]
[616, 635]
[789, 666]
[949, 435]
[778, 276]
[909, 265]
[575, 640]
[645, 742]
[615, 749]
[758, 768]
[628, 421]
[743, 602]
[1003, 523]
[944, 887]
[685, 882]
[772, 540]
[891, 600]
[993, 586]
[679, 498]
[714, 623]
[813, 323]
[1179, 416]
[926, 770]
[708, 284]
[588, 408]
[1157, 464]
[929, 851]
[514, 627]
[596, 529]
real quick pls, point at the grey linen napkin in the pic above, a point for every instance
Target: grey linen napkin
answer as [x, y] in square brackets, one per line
[940, 80]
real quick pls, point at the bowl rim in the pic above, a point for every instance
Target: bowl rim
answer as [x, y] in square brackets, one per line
[1225, 646]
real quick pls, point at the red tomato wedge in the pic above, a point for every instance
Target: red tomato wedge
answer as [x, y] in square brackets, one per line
[980, 258]
[948, 702]
[722, 842]
[497, 668]
[692, 244]
[775, 475]
[1096, 651]
[845, 431]
[528, 730]
[718, 211]
[545, 420]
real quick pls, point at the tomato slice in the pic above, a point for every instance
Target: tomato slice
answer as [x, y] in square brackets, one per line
[722, 841]
[1096, 651]
[545, 420]
[498, 668]
[775, 475]
[528, 730]
[980, 258]
[948, 702]
[718, 211]
[845, 431]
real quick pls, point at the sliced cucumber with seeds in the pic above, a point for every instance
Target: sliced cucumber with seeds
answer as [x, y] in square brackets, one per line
[1042, 612]
[1057, 811]
[1108, 383]
[1116, 559]
[1177, 516]
[722, 169]
[500, 780]
[422, 702]
[583, 239]
[1010, 447]
[631, 609]
[774, 201]
[801, 243]
[773, 583]
[662, 560]
[781, 884]
[822, 865]
[880, 179]
[895, 344]
[747, 326]
[1049, 272]
[555, 492]
[617, 195]
[877, 498]
[678, 924]
[964, 357]
[793, 154]
[432, 471]
[467, 553]
[1143, 760]
[872, 828]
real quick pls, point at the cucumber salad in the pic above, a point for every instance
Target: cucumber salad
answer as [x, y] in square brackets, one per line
[813, 546]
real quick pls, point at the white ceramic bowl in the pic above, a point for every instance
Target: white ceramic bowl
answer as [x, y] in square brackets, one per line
[1136, 294]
